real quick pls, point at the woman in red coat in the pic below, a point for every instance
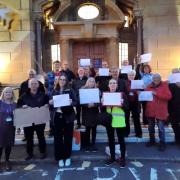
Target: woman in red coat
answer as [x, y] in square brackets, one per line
[157, 110]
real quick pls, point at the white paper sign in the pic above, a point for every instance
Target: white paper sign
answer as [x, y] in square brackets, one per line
[112, 99]
[85, 62]
[137, 84]
[103, 71]
[174, 78]
[126, 69]
[89, 96]
[145, 96]
[145, 58]
[61, 100]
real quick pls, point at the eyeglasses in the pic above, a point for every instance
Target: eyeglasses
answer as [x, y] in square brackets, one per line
[62, 79]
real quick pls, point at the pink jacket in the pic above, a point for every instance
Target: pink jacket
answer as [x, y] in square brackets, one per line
[158, 108]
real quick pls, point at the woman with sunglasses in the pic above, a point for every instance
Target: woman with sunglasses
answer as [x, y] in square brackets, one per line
[63, 123]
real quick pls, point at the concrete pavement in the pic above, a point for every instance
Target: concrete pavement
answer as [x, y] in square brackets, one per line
[135, 151]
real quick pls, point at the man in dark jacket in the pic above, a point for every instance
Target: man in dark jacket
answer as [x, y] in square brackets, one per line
[70, 75]
[102, 81]
[34, 98]
[24, 87]
[78, 82]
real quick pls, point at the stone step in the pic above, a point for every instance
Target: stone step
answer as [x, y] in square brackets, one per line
[102, 136]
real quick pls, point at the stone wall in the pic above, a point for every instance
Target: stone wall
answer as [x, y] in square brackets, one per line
[161, 33]
[16, 44]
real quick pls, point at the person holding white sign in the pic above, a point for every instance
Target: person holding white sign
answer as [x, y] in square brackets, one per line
[102, 81]
[125, 66]
[157, 110]
[34, 98]
[89, 113]
[64, 117]
[7, 129]
[77, 83]
[118, 124]
[134, 105]
[146, 76]
[121, 82]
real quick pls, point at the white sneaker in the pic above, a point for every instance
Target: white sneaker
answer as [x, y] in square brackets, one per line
[61, 163]
[68, 162]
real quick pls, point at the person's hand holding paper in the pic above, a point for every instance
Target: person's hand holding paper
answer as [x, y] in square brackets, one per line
[112, 99]
[145, 96]
[61, 100]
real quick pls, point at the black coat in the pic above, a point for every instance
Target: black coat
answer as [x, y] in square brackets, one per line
[102, 82]
[78, 83]
[89, 115]
[122, 86]
[37, 100]
[174, 103]
[70, 75]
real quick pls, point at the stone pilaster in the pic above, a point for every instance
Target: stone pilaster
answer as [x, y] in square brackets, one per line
[113, 52]
[37, 19]
[65, 53]
[139, 25]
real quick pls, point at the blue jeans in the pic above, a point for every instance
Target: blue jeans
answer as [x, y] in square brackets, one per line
[161, 129]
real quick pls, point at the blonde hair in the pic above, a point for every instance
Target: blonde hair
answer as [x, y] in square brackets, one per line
[4, 90]
[87, 82]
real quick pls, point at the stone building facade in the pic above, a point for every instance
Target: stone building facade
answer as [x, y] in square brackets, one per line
[25, 38]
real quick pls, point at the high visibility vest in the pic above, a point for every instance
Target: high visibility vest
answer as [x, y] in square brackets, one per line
[118, 117]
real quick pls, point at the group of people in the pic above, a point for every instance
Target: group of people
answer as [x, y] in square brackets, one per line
[33, 93]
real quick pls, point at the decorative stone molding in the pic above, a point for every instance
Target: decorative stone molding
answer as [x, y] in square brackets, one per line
[37, 16]
[138, 12]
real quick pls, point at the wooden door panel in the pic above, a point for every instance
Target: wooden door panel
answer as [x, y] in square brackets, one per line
[97, 49]
[93, 50]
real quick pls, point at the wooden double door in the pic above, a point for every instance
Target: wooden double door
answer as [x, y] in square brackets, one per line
[95, 50]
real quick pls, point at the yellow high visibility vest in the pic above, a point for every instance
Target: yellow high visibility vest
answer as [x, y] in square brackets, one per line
[118, 117]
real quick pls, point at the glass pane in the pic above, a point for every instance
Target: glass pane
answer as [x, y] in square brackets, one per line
[123, 52]
[55, 52]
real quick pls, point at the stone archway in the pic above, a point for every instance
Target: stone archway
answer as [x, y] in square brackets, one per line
[105, 30]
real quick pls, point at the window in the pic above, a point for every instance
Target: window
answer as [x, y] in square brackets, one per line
[127, 21]
[55, 52]
[88, 11]
[123, 52]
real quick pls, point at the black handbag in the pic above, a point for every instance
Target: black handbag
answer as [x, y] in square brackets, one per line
[104, 119]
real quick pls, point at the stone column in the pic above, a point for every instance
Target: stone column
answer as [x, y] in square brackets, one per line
[113, 51]
[139, 25]
[65, 51]
[38, 46]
